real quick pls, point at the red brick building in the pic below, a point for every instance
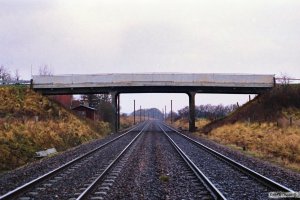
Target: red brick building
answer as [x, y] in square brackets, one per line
[64, 100]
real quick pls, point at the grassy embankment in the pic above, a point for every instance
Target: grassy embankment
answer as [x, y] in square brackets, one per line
[262, 127]
[183, 124]
[30, 122]
[126, 121]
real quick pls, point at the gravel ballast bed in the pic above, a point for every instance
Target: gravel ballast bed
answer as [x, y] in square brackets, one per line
[15, 178]
[155, 171]
[232, 183]
[283, 176]
[69, 182]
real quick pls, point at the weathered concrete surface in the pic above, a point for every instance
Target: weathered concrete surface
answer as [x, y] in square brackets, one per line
[153, 82]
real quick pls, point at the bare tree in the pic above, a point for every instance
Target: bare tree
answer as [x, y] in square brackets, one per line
[17, 75]
[45, 71]
[284, 79]
[4, 75]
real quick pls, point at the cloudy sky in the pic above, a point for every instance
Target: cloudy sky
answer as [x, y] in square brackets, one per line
[110, 36]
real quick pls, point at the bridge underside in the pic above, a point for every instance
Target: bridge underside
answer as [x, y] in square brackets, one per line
[116, 91]
[152, 89]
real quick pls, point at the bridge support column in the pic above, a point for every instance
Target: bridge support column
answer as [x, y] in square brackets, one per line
[192, 127]
[116, 110]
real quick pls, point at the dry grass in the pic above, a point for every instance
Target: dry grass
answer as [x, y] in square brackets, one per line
[126, 121]
[264, 140]
[30, 122]
[184, 123]
[267, 127]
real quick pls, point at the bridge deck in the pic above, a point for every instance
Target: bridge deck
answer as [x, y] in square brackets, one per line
[153, 82]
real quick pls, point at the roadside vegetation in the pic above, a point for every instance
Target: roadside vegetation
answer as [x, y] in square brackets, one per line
[183, 123]
[267, 127]
[30, 122]
[126, 121]
[264, 140]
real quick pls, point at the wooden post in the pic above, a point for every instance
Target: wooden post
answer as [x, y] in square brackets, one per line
[140, 114]
[165, 113]
[133, 112]
[171, 111]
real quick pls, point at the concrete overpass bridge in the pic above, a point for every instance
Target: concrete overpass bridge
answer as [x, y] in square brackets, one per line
[191, 84]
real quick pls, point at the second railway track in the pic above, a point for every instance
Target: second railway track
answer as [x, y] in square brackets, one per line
[65, 181]
[234, 180]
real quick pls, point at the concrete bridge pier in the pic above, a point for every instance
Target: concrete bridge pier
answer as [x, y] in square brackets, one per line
[115, 98]
[118, 112]
[192, 126]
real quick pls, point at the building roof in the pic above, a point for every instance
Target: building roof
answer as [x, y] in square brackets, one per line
[83, 106]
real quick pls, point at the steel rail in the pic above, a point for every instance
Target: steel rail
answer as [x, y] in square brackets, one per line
[200, 175]
[22, 188]
[87, 191]
[259, 177]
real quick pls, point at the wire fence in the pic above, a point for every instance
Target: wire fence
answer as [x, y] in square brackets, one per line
[287, 81]
[15, 82]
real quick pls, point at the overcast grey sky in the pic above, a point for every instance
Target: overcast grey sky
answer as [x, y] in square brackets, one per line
[110, 36]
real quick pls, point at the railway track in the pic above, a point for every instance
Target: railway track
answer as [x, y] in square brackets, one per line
[101, 186]
[43, 186]
[154, 169]
[100, 192]
[131, 166]
[233, 180]
[212, 191]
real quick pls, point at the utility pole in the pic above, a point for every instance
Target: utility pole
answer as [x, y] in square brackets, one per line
[133, 112]
[140, 113]
[165, 112]
[171, 111]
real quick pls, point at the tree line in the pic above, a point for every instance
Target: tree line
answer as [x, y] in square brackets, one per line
[208, 111]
